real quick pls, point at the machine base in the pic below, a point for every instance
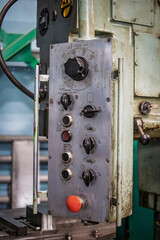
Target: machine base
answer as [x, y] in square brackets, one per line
[18, 224]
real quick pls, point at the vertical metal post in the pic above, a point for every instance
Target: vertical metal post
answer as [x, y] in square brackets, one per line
[119, 146]
[35, 141]
[86, 19]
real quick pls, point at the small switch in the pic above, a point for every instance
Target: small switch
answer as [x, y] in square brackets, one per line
[66, 100]
[89, 144]
[89, 111]
[74, 203]
[88, 177]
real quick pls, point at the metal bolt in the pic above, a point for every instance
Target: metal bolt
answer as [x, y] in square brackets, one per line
[136, 64]
[54, 15]
[115, 74]
[107, 160]
[68, 236]
[108, 99]
[51, 101]
[136, 34]
[96, 234]
[76, 96]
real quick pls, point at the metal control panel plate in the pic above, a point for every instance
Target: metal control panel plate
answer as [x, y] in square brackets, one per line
[80, 130]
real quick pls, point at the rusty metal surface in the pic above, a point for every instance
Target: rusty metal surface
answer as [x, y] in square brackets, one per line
[137, 12]
[86, 29]
[147, 61]
[123, 51]
[104, 24]
[154, 29]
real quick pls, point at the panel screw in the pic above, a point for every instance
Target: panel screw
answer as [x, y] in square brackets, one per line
[108, 99]
[107, 160]
[136, 34]
[54, 15]
[96, 234]
[76, 96]
[68, 236]
[51, 101]
[136, 64]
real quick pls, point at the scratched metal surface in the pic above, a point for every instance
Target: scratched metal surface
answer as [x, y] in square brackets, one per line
[137, 12]
[93, 90]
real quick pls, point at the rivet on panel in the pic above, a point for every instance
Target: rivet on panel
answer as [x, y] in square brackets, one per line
[136, 34]
[51, 101]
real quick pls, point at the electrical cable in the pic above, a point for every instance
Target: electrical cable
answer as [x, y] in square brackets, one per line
[2, 62]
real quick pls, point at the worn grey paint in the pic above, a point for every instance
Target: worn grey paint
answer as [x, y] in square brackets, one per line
[95, 89]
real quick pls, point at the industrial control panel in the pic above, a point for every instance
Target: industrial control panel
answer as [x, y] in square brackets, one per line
[80, 130]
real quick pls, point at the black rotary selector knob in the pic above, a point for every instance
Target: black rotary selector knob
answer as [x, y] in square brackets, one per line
[76, 68]
[89, 144]
[89, 111]
[66, 100]
[88, 177]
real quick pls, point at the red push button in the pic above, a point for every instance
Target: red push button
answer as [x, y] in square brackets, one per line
[66, 136]
[74, 203]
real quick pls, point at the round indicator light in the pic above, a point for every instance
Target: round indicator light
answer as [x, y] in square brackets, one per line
[67, 120]
[74, 203]
[66, 157]
[66, 136]
[66, 174]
